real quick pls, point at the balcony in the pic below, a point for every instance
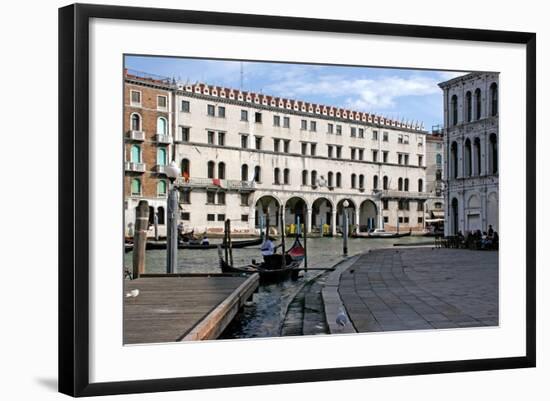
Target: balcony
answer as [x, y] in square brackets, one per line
[209, 183]
[134, 167]
[136, 135]
[404, 194]
[160, 168]
[163, 139]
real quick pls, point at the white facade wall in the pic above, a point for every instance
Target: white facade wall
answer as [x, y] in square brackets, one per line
[472, 194]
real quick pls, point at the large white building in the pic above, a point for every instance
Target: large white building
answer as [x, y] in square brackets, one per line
[471, 150]
[245, 155]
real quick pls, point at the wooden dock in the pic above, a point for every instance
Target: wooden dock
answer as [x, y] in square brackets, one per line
[181, 307]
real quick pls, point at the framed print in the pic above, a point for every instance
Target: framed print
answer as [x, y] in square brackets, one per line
[258, 200]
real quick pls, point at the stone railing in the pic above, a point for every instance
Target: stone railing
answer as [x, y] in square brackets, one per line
[211, 183]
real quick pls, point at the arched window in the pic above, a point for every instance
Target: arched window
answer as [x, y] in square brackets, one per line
[221, 170]
[438, 159]
[493, 167]
[161, 188]
[406, 184]
[330, 179]
[478, 103]
[136, 186]
[185, 168]
[313, 178]
[454, 160]
[136, 154]
[211, 167]
[160, 215]
[162, 126]
[286, 176]
[375, 182]
[420, 185]
[304, 177]
[361, 181]
[468, 106]
[135, 122]
[494, 99]
[244, 172]
[161, 156]
[454, 110]
[385, 182]
[338, 180]
[477, 157]
[257, 174]
[276, 176]
[400, 184]
[468, 158]
[353, 179]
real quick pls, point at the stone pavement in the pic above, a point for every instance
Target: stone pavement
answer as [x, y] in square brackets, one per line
[417, 288]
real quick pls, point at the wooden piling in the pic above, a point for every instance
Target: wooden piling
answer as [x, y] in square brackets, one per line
[140, 238]
[229, 245]
[281, 214]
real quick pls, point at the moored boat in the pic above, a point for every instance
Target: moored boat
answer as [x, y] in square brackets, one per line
[190, 245]
[380, 233]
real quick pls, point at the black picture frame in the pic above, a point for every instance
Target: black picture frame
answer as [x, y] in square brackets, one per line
[74, 198]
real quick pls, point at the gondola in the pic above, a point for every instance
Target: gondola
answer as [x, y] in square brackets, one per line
[183, 245]
[271, 270]
[381, 234]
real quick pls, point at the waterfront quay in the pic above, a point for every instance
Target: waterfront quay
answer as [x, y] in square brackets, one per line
[414, 289]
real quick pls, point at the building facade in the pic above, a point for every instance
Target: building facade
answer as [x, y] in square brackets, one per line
[249, 157]
[435, 212]
[471, 150]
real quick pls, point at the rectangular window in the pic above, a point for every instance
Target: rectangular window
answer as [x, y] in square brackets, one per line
[210, 137]
[353, 151]
[244, 115]
[221, 138]
[244, 218]
[406, 139]
[303, 125]
[375, 156]
[338, 152]
[400, 219]
[162, 102]
[330, 128]
[135, 97]
[276, 145]
[338, 129]
[313, 126]
[221, 217]
[386, 219]
[185, 197]
[313, 149]
[244, 199]
[304, 148]
[185, 134]
[221, 112]
[221, 198]
[385, 204]
[385, 156]
[420, 220]
[244, 141]
[185, 216]
[286, 145]
[210, 110]
[385, 136]
[420, 159]
[361, 132]
[399, 158]
[211, 217]
[185, 107]
[406, 160]
[286, 122]
[258, 142]
[276, 121]
[210, 197]
[361, 154]
[399, 138]
[353, 132]
[374, 135]
[258, 117]
[420, 206]
[330, 147]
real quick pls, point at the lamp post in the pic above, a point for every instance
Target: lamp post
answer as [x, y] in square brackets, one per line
[345, 228]
[172, 172]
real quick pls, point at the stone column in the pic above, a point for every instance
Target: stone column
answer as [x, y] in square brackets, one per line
[308, 218]
[140, 238]
[333, 221]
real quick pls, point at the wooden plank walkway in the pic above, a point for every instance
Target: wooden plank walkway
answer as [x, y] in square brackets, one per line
[183, 307]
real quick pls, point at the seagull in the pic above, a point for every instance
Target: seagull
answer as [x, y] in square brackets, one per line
[133, 293]
[341, 317]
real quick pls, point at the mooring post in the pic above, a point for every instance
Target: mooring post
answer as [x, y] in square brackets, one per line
[140, 238]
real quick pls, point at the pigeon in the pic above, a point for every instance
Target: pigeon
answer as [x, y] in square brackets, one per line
[341, 318]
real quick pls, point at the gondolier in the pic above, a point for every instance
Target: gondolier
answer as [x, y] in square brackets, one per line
[268, 248]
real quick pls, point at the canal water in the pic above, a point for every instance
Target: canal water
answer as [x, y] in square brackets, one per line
[264, 317]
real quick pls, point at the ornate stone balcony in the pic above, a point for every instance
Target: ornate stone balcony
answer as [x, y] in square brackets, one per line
[134, 167]
[136, 135]
[211, 183]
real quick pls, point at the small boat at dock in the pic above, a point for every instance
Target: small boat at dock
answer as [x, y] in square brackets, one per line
[380, 233]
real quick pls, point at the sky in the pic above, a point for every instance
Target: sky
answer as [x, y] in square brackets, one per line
[412, 95]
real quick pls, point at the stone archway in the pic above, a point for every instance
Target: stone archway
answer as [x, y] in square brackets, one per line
[266, 211]
[340, 213]
[368, 216]
[295, 211]
[321, 214]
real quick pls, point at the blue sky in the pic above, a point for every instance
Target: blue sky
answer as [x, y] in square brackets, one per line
[396, 93]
